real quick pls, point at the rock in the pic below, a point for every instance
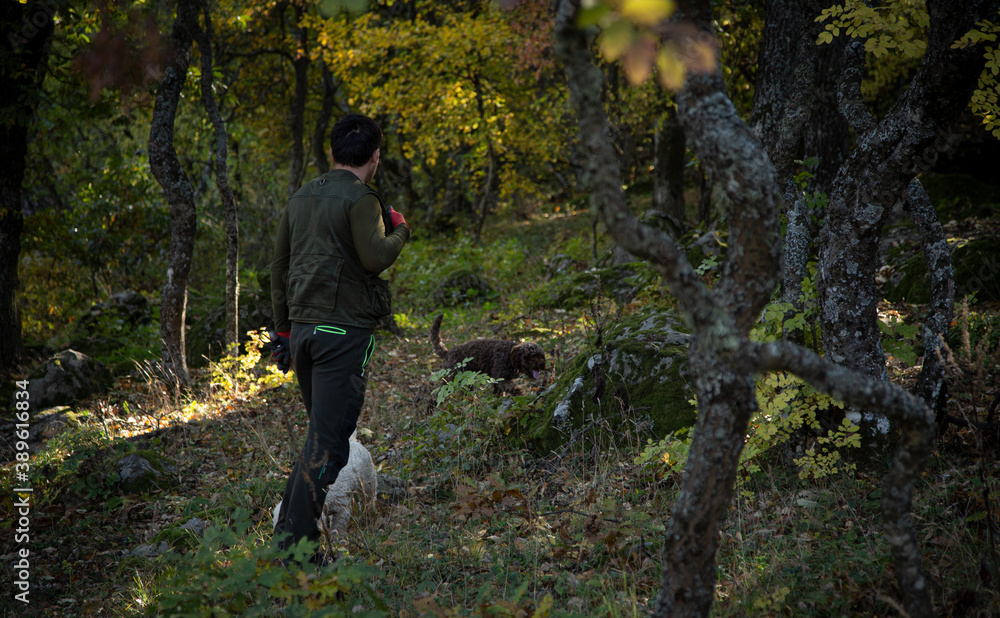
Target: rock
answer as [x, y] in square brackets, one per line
[357, 483]
[43, 427]
[391, 490]
[195, 525]
[143, 470]
[149, 551]
[131, 308]
[65, 379]
[561, 264]
[634, 383]
[114, 329]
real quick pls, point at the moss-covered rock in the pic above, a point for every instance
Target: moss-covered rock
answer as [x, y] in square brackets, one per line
[182, 537]
[977, 270]
[144, 470]
[621, 283]
[634, 380]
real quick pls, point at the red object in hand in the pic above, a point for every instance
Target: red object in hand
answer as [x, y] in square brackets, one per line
[397, 218]
[287, 334]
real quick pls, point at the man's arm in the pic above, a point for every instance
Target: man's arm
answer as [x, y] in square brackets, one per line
[376, 249]
[279, 274]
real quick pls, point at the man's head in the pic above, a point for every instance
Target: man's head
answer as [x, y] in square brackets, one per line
[354, 140]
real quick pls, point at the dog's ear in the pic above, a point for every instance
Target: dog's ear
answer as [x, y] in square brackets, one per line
[516, 354]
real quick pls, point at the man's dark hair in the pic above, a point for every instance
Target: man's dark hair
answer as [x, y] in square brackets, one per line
[354, 139]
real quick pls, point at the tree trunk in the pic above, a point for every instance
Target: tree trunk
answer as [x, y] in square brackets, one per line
[221, 149]
[668, 182]
[939, 268]
[300, 65]
[322, 125]
[784, 93]
[888, 155]
[25, 30]
[826, 133]
[721, 358]
[178, 191]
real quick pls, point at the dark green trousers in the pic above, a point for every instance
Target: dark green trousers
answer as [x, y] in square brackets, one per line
[329, 363]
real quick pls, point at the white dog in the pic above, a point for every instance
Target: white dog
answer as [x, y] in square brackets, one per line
[357, 481]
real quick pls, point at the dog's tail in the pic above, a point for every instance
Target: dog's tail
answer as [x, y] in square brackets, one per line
[439, 348]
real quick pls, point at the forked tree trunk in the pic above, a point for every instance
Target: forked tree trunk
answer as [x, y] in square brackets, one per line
[890, 152]
[722, 359]
[178, 190]
[221, 151]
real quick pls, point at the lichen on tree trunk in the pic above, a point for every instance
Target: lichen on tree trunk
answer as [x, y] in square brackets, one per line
[889, 153]
[941, 308]
[221, 149]
[723, 360]
[178, 190]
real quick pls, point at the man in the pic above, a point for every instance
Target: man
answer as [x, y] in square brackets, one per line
[334, 238]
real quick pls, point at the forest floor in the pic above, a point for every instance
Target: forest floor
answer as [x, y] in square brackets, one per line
[488, 526]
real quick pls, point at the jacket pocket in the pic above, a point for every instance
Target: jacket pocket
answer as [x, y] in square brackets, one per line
[381, 297]
[313, 281]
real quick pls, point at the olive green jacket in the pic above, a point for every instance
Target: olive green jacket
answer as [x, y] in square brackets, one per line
[331, 246]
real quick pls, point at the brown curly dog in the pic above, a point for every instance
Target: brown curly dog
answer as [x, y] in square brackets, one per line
[498, 358]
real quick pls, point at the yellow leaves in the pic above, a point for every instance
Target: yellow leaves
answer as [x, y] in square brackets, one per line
[616, 38]
[647, 12]
[639, 60]
[635, 32]
[896, 26]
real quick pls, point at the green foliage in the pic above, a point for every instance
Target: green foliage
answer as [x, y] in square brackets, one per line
[426, 266]
[79, 459]
[816, 201]
[241, 376]
[896, 26]
[230, 573]
[894, 32]
[788, 405]
[707, 264]
[457, 435]
[460, 382]
[621, 283]
[899, 340]
[665, 457]
[458, 104]
[780, 318]
[985, 102]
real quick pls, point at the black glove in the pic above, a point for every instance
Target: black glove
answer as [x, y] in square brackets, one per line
[281, 350]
